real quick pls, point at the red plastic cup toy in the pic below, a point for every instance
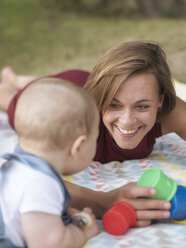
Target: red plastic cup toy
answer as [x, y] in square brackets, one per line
[120, 217]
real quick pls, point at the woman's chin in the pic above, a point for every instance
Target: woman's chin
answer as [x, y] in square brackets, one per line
[128, 145]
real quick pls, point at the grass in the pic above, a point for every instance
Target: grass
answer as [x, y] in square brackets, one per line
[34, 41]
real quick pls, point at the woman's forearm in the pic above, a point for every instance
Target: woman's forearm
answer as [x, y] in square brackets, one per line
[82, 197]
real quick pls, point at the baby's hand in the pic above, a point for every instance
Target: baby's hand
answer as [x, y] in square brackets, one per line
[72, 211]
[87, 221]
[146, 209]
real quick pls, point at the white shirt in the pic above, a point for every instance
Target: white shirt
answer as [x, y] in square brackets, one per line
[23, 190]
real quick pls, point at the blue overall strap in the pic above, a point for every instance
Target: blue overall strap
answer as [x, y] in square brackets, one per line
[7, 244]
[4, 242]
[41, 165]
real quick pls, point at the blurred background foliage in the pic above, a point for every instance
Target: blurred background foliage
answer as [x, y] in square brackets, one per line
[145, 8]
[42, 37]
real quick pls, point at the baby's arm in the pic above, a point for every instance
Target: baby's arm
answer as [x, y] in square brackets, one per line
[46, 230]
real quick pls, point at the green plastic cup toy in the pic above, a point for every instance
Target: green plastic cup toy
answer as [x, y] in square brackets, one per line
[165, 186]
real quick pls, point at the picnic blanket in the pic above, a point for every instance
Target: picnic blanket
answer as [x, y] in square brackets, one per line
[169, 154]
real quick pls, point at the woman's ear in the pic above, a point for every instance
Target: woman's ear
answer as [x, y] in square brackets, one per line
[161, 99]
[77, 144]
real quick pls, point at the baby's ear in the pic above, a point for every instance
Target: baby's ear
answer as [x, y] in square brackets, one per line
[77, 144]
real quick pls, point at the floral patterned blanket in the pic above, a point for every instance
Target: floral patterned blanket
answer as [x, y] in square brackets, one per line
[169, 155]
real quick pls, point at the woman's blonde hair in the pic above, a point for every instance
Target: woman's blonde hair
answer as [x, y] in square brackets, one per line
[125, 60]
[54, 111]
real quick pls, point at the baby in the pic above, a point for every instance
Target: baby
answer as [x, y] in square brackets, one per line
[57, 136]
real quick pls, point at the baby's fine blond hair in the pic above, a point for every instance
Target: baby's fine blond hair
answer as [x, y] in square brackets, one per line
[55, 112]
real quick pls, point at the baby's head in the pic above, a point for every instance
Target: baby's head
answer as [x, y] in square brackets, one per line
[54, 112]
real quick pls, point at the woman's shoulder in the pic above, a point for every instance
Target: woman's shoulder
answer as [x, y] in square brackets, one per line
[175, 121]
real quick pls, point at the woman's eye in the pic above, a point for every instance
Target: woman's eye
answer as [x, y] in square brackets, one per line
[114, 106]
[143, 107]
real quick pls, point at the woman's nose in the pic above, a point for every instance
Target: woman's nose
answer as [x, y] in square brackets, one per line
[127, 118]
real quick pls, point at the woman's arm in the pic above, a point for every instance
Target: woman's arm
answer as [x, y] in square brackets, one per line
[99, 202]
[175, 121]
[84, 197]
[7, 93]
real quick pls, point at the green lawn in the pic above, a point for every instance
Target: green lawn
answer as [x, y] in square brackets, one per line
[34, 41]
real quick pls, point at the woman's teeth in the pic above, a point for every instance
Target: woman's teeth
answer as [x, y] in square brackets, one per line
[124, 131]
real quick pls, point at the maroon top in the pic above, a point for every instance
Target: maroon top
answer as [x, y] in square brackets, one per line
[107, 149]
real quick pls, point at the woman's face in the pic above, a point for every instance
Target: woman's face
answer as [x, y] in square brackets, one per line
[133, 110]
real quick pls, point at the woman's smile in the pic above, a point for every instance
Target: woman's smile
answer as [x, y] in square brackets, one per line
[125, 131]
[133, 110]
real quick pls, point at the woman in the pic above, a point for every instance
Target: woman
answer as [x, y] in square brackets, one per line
[133, 88]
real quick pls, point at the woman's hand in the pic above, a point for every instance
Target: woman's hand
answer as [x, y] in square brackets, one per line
[100, 202]
[146, 209]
